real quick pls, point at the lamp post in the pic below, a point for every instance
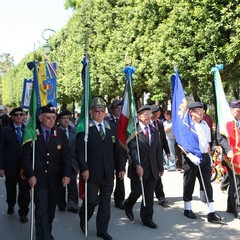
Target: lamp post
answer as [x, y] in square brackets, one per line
[46, 35]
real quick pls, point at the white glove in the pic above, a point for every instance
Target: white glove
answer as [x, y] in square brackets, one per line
[194, 159]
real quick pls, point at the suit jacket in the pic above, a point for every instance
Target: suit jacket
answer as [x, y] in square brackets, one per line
[102, 155]
[150, 156]
[72, 140]
[10, 150]
[123, 150]
[51, 159]
[163, 139]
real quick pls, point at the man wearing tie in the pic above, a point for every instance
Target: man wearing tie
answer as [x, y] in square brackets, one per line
[10, 164]
[148, 167]
[160, 195]
[98, 170]
[119, 192]
[51, 170]
[231, 149]
[63, 119]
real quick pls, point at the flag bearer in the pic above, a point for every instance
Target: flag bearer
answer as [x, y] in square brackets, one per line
[98, 170]
[191, 170]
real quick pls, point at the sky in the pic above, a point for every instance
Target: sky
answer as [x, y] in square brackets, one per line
[22, 23]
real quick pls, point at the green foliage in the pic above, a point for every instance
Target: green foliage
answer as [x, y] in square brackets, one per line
[157, 35]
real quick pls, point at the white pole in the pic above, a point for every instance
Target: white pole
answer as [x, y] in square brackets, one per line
[32, 194]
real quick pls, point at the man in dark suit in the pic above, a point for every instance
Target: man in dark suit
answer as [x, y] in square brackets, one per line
[98, 170]
[160, 195]
[10, 164]
[148, 167]
[4, 118]
[231, 146]
[51, 169]
[119, 192]
[63, 119]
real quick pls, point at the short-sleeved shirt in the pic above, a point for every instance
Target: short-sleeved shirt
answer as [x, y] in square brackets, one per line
[204, 135]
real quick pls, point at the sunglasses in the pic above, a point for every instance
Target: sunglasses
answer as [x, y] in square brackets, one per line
[99, 110]
[18, 114]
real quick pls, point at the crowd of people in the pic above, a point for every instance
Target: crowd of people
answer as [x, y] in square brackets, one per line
[62, 155]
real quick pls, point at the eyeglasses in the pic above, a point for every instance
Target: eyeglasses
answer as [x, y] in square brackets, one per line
[18, 114]
[99, 110]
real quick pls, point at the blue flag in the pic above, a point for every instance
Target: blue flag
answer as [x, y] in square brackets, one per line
[183, 128]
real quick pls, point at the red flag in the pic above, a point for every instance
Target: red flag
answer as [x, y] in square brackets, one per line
[233, 138]
[81, 188]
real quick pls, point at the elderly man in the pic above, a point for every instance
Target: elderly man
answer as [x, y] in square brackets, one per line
[98, 170]
[231, 151]
[10, 164]
[63, 119]
[119, 192]
[4, 118]
[160, 195]
[51, 169]
[148, 167]
[191, 170]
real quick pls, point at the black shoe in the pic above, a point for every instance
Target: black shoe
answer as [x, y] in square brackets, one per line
[74, 210]
[213, 217]
[189, 214]
[62, 209]
[128, 212]
[237, 215]
[82, 226]
[10, 211]
[104, 236]
[120, 206]
[229, 211]
[23, 219]
[151, 225]
[163, 202]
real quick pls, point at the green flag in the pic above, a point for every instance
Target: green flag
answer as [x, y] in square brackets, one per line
[86, 98]
[30, 130]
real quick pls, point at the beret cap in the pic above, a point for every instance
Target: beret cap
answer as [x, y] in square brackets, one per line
[47, 109]
[116, 103]
[144, 108]
[235, 104]
[18, 109]
[155, 108]
[63, 113]
[195, 105]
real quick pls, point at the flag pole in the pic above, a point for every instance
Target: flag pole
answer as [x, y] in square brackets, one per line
[32, 194]
[86, 86]
[139, 160]
[233, 170]
[235, 182]
[138, 153]
[204, 188]
[200, 172]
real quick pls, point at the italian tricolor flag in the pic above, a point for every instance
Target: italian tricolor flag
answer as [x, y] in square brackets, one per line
[126, 124]
[227, 124]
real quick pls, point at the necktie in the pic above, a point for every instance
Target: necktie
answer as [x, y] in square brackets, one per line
[19, 135]
[117, 121]
[47, 136]
[67, 133]
[155, 124]
[101, 131]
[146, 132]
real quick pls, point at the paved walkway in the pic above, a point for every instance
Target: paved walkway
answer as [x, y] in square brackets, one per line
[171, 222]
